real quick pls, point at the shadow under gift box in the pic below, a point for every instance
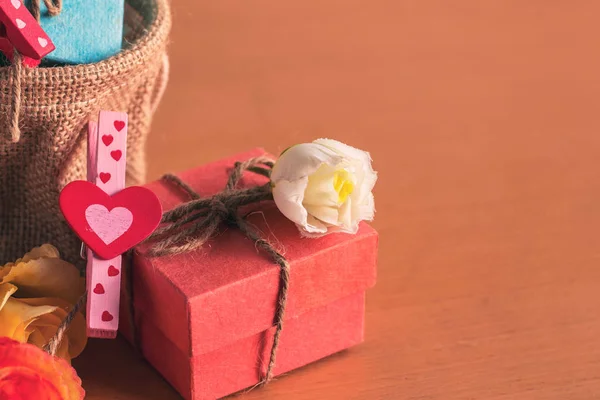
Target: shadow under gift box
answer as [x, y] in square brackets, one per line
[205, 319]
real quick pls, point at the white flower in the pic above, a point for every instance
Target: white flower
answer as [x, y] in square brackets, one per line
[324, 187]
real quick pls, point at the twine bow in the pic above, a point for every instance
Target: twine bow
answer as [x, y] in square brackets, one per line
[190, 225]
[179, 236]
[54, 8]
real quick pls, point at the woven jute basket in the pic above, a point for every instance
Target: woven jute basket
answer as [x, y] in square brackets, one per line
[54, 106]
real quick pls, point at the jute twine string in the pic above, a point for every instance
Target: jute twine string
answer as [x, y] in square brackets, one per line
[54, 8]
[190, 225]
[15, 87]
[56, 340]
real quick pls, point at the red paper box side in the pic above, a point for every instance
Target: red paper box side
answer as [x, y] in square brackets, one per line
[318, 333]
[309, 337]
[169, 360]
[166, 304]
[248, 306]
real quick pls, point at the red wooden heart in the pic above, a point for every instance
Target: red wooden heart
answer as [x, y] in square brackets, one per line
[119, 125]
[110, 225]
[104, 177]
[116, 154]
[107, 139]
[112, 271]
[99, 289]
[106, 316]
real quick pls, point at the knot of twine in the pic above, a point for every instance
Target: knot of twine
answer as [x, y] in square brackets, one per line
[54, 8]
[190, 225]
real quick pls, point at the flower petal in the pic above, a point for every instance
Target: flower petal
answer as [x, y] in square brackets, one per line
[44, 328]
[314, 227]
[288, 197]
[366, 176]
[325, 214]
[366, 210]
[320, 189]
[6, 290]
[45, 277]
[345, 151]
[22, 383]
[302, 160]
[76, 337]
[44, 251]
[347, 223]
[16, 317]
[19, 360]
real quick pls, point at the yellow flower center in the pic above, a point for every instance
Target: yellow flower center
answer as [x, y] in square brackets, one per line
[342, 185]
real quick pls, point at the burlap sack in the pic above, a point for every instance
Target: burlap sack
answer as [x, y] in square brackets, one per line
[55, 105]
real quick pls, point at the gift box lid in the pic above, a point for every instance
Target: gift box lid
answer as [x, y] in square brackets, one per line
[227, 290]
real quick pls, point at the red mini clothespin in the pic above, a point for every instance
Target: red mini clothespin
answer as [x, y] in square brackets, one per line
[7, 48]
[21, 31]
[108, 218]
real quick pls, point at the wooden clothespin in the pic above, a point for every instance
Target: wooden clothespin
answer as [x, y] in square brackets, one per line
[108, 218]
[8, 49]
[22, 32]
[107, 155]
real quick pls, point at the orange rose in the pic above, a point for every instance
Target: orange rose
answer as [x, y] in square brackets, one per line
[36, 294]
[28, 373]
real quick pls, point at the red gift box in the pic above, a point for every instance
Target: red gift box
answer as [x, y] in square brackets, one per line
[205, 319]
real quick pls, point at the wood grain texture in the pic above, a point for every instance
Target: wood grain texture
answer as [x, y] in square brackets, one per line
[482, 118]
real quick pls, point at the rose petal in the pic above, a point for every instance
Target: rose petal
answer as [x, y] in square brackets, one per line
[302, 160]
[328, 215]
[44, 329]
[45, 277]
[4, 271]
[314, 227]
[366, 210]
[76, 337]
[44, 251]
[345, 221]
[367, 176]
[6, 290]
[21, 383]
[320, 190]
[346, 151]
[15, 357]
[16, 316]
[288, 197]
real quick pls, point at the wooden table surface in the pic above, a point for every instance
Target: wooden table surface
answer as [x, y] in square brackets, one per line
[483, 121]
